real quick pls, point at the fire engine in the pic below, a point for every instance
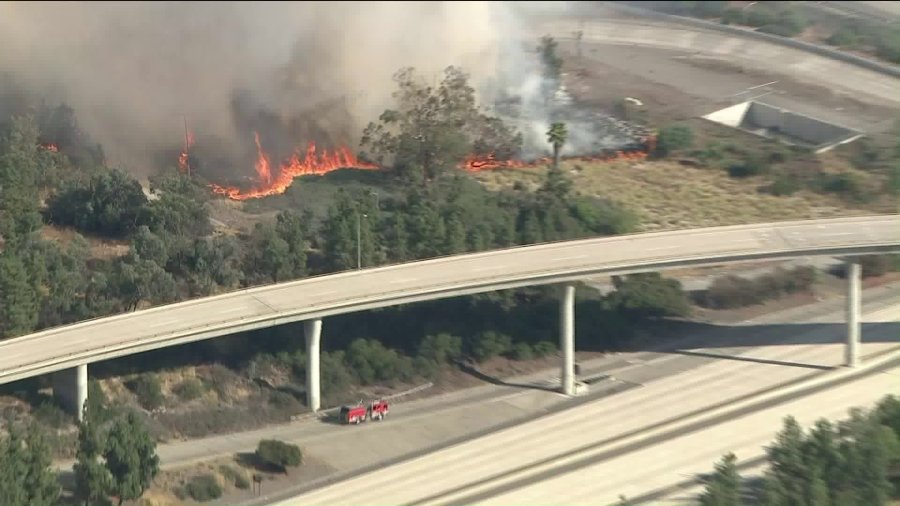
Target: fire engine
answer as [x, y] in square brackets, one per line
[376, 410]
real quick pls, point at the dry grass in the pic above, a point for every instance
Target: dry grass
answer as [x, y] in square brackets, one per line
[667, 195]
[100, 248]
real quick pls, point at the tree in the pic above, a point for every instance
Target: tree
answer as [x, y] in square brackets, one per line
[442, 348]
[278, 454]
[556, 136]
[20, 164]
[724, 489]
[18, 298]
[788, 473]
[431, 129]
[25, 473]
[552, 66]
[130, 456]
[92, 478]
[137, 280]
[110, 203]
[12, 469]
[648, 295]
[268, 256]
[672, 138]
[40, 481]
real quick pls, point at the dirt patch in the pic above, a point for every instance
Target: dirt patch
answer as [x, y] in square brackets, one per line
[99, 248]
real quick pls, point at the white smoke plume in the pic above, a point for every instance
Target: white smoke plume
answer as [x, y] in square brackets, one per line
[133, 70]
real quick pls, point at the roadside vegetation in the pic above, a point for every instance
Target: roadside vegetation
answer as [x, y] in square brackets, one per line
[852, 462]
[62, 208]
[793, 19]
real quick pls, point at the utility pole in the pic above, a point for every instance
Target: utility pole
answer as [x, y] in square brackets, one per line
[359, 217]
[187, 146]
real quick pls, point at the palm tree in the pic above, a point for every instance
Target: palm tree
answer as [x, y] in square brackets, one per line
[557, 137]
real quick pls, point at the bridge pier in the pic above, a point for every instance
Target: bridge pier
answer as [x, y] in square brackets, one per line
[854, 288]
[70, 388]
[567, 338]
[312, 330]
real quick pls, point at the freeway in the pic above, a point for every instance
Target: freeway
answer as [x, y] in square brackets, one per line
[318, 297]
[640, 440]
[798, 64]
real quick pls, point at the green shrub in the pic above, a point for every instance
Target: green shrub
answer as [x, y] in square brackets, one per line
[746, 168]
[866, 154]
[148, 391]
[489, 344]
[233, 476]
[441, 348]
[730, 292]
[759, 15]
[708, 8]
[893, 180]
[241, 482]
[648, 295]
[426, 368]
[887, 44]
[673, 138]
[845, 184]
[190, 389]
[521, 351]
[732, 16]
[372, 362]
[844, 37]
[734, 291]
[203, 488]
[51, 415]
[544, 349]
[783, 186]
[278, 454]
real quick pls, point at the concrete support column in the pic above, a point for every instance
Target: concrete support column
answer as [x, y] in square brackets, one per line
[854, 282]
[312, 330]
[567, 338]
[70, 387]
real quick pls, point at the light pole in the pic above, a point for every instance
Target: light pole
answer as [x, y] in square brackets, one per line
[359, 217]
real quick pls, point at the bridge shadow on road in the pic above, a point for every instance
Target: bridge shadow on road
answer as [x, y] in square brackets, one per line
[729, 342]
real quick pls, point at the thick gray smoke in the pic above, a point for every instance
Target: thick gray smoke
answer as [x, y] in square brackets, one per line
[308, 70]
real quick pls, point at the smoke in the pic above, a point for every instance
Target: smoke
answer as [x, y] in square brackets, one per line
[294, 71]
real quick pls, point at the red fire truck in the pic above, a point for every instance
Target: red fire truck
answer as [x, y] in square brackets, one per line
[376, 410]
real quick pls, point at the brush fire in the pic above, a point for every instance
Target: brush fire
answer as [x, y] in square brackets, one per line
[314, 162]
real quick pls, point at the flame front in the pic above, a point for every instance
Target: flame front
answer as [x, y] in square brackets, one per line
[263, 165]
[479, 163]
[184, 159]
[315, 163]
[312, 163]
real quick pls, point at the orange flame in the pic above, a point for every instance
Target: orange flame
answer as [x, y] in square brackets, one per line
[479, 163]
[262, 163]
[50, 147]
[184, 157]
[312, 163]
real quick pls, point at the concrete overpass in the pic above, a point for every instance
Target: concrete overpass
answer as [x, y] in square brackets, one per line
[67, 350]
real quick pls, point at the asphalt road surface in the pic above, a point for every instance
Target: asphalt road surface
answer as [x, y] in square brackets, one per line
[804, 66]
[649, 394]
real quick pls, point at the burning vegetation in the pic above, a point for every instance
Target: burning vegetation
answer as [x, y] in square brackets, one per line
[431, 130]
